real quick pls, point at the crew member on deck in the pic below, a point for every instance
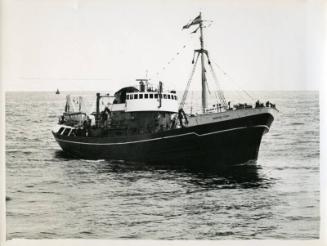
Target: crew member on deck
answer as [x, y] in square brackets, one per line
[104, 116]
[181, 116]
[61, 119]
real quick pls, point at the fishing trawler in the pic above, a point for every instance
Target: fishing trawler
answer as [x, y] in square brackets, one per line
[146, 123]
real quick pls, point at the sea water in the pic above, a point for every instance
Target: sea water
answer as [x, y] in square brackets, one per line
[50, 195]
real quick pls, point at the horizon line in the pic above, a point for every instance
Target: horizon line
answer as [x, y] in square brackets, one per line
[254, 90]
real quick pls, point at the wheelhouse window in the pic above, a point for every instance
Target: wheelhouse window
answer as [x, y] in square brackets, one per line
[61, 130]
[141, 96]
[165, 96]
[127, 97]
[146, 95]
[135, 96]
[66, 131]
[155, 95]
[73, 133]
[151, 95]
[168, 96]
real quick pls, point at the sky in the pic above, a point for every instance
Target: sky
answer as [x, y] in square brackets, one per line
[103, 45]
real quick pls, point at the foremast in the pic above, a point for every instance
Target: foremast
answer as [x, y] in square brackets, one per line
[203, 71]
[202, 52]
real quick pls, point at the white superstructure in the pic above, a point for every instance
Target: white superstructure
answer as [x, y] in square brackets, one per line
[151, 101]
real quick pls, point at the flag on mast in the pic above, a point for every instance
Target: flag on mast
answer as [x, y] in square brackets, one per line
[197, 20]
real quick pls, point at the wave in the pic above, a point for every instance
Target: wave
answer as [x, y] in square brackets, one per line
[93, 161]
[48, 233]
[86, 232]
[296, 124]
[297, 168]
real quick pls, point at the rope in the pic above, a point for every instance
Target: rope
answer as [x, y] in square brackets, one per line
[181, 105]
[232, 80]
[219, 92]
[179, 52]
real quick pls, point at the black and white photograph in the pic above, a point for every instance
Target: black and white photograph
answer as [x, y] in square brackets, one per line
[162, 120]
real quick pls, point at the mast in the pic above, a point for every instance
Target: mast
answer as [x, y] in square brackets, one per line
[97, 116]
[203, 71]
[200, 52]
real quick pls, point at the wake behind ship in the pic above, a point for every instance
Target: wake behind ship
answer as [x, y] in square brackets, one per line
[144, 123]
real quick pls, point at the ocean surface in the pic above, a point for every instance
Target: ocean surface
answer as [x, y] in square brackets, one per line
[50, 195]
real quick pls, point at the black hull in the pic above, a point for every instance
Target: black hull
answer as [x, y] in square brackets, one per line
[227, 142]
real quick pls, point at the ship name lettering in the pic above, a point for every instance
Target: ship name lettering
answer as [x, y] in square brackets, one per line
[220, 117]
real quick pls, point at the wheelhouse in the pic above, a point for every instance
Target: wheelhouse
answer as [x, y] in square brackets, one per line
[64, 130]
[150, 95]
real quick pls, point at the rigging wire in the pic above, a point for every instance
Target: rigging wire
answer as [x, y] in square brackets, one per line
[235, 94]
[233, 81]
[181, 105]
[192, 102]
[179, 52]
[219, 94]
[219, 91]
